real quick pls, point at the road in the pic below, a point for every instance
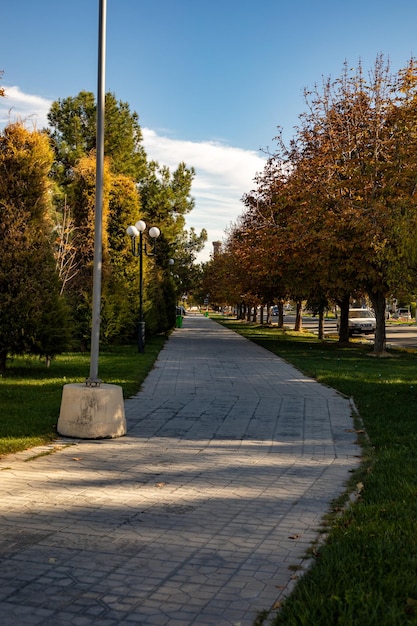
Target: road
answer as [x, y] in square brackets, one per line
[401, 335]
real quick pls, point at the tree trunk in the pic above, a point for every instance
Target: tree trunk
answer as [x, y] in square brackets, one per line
[268, 313]
[255, 314]
[298, 319]
[344, 320]
[3, 361]
[280, 314]
[378, 303]
[248, 312]
[321, 321]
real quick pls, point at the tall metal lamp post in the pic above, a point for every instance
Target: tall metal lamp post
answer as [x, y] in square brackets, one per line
[136, 233]
[95, 410]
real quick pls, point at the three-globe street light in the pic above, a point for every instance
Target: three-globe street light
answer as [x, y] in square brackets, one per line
[136, 233]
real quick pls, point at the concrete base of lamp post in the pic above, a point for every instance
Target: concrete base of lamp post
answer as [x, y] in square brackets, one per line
[92, 412]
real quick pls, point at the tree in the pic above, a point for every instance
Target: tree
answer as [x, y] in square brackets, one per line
[166, 200]
[120, 288]
[163, 198]
[345, 213]
[361, 134]
[221, 280]
[187, 272]
[65, 244]
[81, 197]
[73, 123]
[284, 252]
[29, 287]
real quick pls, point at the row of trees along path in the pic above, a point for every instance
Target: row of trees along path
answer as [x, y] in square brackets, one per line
[333, 215]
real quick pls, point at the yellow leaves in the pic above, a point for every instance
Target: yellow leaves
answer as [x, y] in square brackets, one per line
[25, 161]
[277, 605]
[408, 77]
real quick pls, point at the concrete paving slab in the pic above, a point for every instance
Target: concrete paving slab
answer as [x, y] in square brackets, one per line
[198, 516]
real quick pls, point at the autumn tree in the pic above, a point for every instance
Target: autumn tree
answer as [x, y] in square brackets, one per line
[359, 133]
[33, 317]
[284, 244]
[251, 269]
[221, 280]
[349, 197]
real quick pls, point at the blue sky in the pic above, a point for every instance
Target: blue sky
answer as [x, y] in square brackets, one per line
[210, 80]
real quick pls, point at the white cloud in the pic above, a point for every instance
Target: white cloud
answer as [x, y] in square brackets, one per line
[28, 108]
[223, 173]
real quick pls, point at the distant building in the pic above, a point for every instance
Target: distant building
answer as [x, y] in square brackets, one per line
[217, 247]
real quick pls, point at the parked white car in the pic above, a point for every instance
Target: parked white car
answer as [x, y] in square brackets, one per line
[361, 322]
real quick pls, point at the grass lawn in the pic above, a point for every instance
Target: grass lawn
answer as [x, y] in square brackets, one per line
[30, 393]
[365, 573]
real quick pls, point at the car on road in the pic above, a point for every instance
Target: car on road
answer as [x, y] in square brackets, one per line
[361, 322]
[402, 314]
[275, 310]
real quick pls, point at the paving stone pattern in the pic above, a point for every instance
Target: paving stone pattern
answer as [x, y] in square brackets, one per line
[198, 516]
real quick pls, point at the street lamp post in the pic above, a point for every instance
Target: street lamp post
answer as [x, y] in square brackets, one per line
[98, 225]
[95, 410]
[136, 233]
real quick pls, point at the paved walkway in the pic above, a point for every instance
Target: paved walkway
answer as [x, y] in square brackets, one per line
[198, 516]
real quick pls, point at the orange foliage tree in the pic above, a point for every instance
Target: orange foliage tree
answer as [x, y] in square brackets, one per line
[334, 214]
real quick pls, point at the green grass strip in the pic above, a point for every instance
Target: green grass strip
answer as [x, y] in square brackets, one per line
[30, 393]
